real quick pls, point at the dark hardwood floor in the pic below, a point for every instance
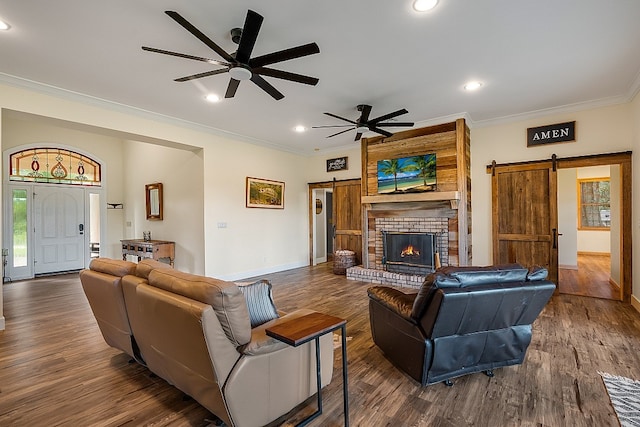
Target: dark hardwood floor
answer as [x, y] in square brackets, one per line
[56, 370]
[591, 279]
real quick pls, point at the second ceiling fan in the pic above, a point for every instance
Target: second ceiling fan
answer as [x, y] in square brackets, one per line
[240, 65]
[363, 124]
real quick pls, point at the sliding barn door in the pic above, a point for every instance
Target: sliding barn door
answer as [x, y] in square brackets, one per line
[525, 216]
[347, 217]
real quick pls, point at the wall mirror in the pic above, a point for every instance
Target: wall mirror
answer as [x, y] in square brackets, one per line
[154, 201]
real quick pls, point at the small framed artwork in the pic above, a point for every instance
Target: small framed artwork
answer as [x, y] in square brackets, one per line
[264, 193]
[337, 164]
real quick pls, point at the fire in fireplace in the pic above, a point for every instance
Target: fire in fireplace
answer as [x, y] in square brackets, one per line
[409, 252]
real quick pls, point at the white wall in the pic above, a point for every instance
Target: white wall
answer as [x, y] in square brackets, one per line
[316, 169]
[595, 241]
[567, 219]
[181, 174]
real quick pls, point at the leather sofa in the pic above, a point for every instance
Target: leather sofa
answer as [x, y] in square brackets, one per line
[462, 320]
[195, 332]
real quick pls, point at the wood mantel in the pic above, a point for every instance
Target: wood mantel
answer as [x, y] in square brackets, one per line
[449, 196]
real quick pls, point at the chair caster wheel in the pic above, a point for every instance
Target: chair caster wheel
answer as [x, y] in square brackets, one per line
[448, 383]
[489, 373]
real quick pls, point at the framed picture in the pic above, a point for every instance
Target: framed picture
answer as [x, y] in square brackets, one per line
[338, 164]
[264, 193]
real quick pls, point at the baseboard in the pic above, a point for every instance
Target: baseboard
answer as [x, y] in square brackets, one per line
[567, 267]
[594, 253]
[614, 283]
[635, 303]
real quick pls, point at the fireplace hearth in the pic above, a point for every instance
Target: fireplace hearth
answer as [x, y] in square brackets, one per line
[409, 252]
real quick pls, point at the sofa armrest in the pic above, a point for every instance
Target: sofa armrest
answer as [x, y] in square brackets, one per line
[261, 343]
[394, 299]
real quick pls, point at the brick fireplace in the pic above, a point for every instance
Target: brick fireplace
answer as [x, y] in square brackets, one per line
[444, 213]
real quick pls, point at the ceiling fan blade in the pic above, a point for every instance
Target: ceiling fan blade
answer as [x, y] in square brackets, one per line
[336, 134]
[380, 131]
[341, 118]
[266, 86]
[284, 55]
[198, 34]
[252, 25]
[331, 126]
[366, 110]
[358, 136]
[285, 75]
[395, 124]
[185, 56]
[232, 88]
[388, 116]
[201, 75]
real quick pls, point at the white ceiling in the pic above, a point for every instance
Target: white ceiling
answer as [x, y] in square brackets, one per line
[530, 55]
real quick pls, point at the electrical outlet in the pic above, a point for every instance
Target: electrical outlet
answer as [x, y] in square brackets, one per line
[222, 225]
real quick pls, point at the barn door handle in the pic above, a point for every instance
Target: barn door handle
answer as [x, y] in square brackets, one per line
[555, 238]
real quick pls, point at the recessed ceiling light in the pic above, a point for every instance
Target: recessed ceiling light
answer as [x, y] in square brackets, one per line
[4, 26]
[212, 97]
[300, 128]
[472, 85]
[424, 5]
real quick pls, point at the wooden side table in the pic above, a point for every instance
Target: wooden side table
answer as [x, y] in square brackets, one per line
[154, 249]
[311, 327]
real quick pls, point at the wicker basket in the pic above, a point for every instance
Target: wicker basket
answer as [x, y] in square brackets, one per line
[342, 260]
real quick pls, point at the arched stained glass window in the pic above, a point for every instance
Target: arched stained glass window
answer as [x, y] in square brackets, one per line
[54, 166]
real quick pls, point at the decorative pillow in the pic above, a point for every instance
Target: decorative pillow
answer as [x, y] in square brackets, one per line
[259, 302]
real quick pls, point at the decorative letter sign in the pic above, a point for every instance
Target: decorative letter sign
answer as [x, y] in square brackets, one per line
[338, 164]
[551, 134]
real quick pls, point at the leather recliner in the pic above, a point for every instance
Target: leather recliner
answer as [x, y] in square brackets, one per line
[462, 320]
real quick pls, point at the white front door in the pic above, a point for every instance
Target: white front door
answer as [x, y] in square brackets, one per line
[59, 229]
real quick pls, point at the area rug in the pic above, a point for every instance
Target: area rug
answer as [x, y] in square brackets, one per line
[625, 398]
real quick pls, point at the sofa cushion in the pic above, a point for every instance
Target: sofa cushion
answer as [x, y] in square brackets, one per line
[225, 298]
[114, 267]
[259, 300]
[147, 265]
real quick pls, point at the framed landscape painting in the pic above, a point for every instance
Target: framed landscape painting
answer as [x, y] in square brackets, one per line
[407, 174]
[264, 193]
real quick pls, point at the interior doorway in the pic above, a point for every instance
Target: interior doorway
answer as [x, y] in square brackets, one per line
[589, 243]
[335, 219]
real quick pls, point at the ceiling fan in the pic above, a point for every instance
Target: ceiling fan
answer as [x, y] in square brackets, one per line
[363, 123]
[240, 65]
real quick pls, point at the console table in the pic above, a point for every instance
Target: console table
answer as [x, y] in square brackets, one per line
[311, 327]
[155, 249]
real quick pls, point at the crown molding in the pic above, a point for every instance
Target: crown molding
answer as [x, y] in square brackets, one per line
[68, 95]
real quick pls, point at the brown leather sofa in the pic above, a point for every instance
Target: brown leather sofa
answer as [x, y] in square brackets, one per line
[195, 332]
[462, 320]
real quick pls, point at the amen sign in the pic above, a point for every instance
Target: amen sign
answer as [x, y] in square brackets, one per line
[551, 134]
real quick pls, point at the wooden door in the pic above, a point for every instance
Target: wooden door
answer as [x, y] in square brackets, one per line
[525, 216]
[347, 217]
